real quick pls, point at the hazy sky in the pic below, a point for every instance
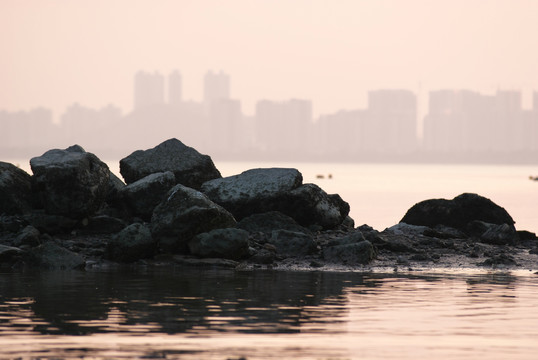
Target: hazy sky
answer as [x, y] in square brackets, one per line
[56, 52]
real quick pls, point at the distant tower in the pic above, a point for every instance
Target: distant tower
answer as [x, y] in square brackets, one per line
[148, 90]
[216, 86]
[175, 88]
[535, 100]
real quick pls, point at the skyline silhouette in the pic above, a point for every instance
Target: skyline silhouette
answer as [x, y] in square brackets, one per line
[458, 126]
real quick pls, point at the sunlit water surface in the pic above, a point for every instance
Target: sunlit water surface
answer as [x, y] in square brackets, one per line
[222, 314]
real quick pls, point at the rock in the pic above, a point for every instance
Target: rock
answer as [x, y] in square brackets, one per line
[205, 263]
[15, 190]
[526, 235]
[189, 167]
[309, 205]
[277, 189]
[52, 256]
[253, 191]
[407, 229]
[350, 253]
[131, 244]
[114, 189]
[51, 224]
[184, 214]
[70, 182]
[502, 234]
[29, 236]
[221, 243]
[263, 256]
[501, 259]
[457, 213]
[143, 195]
[270, 221]
[8, 253]
[292, 244]
[103, 224]
[12, 224]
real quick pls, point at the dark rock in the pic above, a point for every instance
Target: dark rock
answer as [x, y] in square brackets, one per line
[457, 213]
[263, 256]
[70, 182]
[205, 263]
[253, 191]
[51, 224]
[189, 167]
[15, 190]
[131, 244]
[526, 235]
[29, 236]
[408, 229]
[8, 253]
[143, 195]
[52, 256]
[184, 214]
[501, 259]
[221, 243]
[293, 244]
[502, 234]
[358, 253]
[12, 224]
[270, 221]
[103, 224]
[114, 189]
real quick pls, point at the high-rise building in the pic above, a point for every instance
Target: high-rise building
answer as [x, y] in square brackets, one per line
[148, 89]
[216, 86]
[175, 88]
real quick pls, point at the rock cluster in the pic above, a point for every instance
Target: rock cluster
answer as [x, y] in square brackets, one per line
[175, 207]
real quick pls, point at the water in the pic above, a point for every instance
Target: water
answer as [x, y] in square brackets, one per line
[210, 314]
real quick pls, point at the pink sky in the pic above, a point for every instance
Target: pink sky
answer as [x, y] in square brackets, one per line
[57, 52]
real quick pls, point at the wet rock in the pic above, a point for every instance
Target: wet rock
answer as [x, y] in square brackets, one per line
[205, 262]
[457, 213]
[502, 234]
[52, 256]
[354, 253]
[143, 195]
[29, 236]
[15, 190]
[270, 221]
[501, 259]
[131, 244]
[253, 191]
[7, 253]
[263, 256]
[292, 244]
[184, 214]
[221, 243]
[189, 167]
[71, 182]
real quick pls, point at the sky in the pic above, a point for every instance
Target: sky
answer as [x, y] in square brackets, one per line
[58, 52]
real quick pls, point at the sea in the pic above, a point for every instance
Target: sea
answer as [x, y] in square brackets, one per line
[182, 313]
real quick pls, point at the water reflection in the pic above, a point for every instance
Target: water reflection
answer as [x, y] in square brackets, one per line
[200, 313]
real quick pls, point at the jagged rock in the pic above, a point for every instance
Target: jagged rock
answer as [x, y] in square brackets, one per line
[184, 214]
[29, 236]
[348, 252]
[70, 182]
[221, 243]
[277, 189]
[406, 229]
[15, 190]
[270, 221]
[502, 234]
[143, 195]
[292, 244]
[115, 187]
[131, 244]
[190, 168]
[457, 213]
[52, 256]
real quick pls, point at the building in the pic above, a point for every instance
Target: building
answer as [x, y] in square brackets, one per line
[175, 88]
[216, 86]
[148, 90]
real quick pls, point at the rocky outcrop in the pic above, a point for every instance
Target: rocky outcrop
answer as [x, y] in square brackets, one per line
[15, 190]
[277, 189]
[221, 243]
[189, 167]
[352, 249]
[457, 213]
[131, 244]
[70, 182]
[184, 214]
[292, 244]
[269, 222]
[143, 195]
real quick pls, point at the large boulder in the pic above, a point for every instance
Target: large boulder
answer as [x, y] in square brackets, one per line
[292, 244]
[52, 256]
[131, 244]
[457, 213]
[277, 189]
[183, 214]
[352, 249]
[70, 182]
[221, 243]
[270, 221]
[15, 190]
[190, 167]
[143, 195]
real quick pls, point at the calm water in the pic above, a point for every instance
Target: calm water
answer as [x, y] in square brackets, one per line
[179, 314]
